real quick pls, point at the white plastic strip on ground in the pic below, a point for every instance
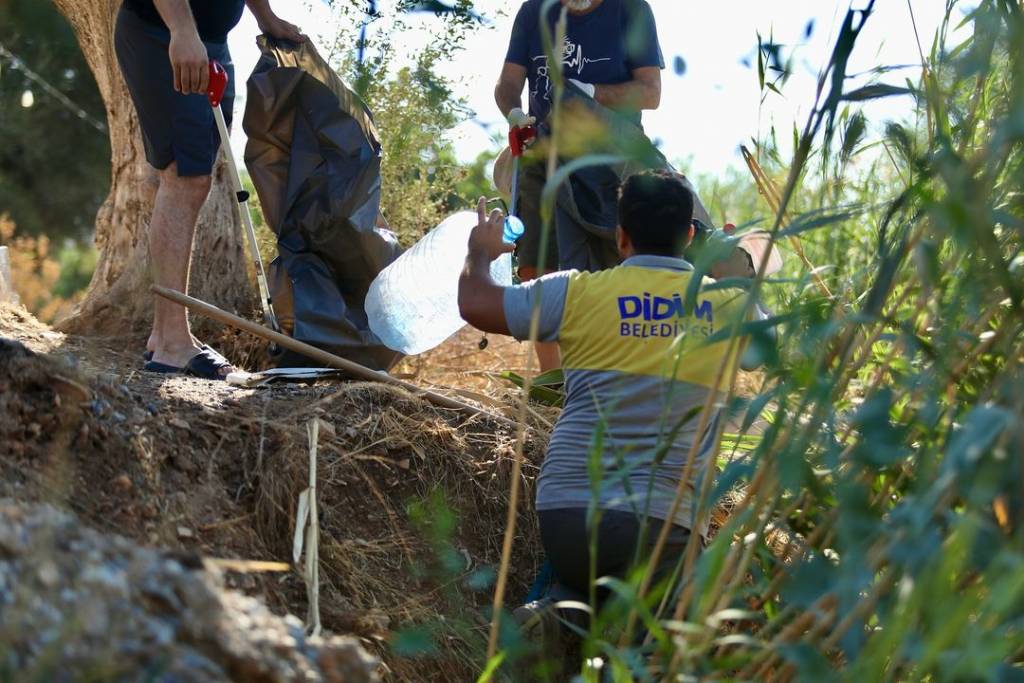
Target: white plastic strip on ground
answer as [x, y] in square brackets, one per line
[306, 514]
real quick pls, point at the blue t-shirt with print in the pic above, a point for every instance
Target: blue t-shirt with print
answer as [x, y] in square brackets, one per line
[602, 47]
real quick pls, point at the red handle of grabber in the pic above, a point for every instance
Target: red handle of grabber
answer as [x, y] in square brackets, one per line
[520, 138]
[218, 83]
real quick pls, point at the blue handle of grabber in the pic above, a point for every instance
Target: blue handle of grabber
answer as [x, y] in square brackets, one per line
[514, 227]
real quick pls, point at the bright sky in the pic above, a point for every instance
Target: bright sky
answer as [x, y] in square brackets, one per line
[707, 111]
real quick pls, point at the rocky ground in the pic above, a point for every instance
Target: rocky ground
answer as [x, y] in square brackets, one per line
[412, 499]
[78, 604]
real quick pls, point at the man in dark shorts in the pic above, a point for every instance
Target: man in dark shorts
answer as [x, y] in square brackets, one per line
[164, 48]
[611, 53]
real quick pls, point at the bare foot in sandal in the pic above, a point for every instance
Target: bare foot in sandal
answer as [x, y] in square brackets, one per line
[193, 359]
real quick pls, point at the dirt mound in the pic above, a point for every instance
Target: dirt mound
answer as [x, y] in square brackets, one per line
[75, 603]
[412, 497]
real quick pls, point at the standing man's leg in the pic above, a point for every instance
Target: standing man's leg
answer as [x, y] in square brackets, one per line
[171, 233]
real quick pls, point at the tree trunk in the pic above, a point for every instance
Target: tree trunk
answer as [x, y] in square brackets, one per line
[118, 301]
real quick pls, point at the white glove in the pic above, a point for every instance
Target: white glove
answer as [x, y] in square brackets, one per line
[588, 89]
[517, 118]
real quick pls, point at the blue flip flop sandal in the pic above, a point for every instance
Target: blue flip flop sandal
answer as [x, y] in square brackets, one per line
[207, 364]
[162, 368]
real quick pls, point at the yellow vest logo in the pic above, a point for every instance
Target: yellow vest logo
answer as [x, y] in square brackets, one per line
[648, 315]
[634, 320]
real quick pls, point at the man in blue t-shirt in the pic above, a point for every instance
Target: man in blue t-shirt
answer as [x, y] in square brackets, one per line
[611, 54]
[164, 48]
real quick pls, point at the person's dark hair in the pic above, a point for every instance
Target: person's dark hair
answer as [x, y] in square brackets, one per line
[656, 211]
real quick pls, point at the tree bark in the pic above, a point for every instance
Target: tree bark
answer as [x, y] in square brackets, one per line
[118, 301]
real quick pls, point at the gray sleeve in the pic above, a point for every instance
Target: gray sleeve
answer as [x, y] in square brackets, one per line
[549, 294]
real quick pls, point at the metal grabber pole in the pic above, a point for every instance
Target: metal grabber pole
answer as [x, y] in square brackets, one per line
[218, 83]
[518, 140]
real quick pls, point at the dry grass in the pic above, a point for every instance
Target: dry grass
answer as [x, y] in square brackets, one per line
[234, 475]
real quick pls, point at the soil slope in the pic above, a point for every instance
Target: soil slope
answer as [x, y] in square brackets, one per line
[412, 498]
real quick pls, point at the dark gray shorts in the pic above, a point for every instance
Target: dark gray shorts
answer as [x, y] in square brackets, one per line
[175, 127]
[569, 245]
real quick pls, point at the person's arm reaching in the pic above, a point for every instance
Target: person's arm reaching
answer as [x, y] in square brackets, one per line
[508, 95]
[643, 92]
[186, 51]
[481, 300]
[273, 25]
[490, 307]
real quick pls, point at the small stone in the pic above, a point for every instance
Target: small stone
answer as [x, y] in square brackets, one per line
[185, 533]
[11, 541]
[122, 483]
[182, 462]
[405, 463]
[179, 423]
[48, 574]
[327, 429]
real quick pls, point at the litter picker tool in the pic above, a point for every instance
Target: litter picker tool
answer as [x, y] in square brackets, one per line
[215, 93]
[518, 140]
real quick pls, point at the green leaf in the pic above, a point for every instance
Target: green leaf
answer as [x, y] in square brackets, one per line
[818, 219]
[983, 426]
[874, 92]
[414, 641]
[856, 127]
[544, 389]
[808, 581]
[492, 667]
[760, 61]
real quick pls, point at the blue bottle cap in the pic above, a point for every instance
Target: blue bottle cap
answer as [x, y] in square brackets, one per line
[514, 229]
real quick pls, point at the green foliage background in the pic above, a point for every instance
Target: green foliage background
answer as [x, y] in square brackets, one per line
[414, 108]
[54, 167]
[875, 529]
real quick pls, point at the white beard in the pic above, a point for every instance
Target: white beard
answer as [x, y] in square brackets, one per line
[578, 5]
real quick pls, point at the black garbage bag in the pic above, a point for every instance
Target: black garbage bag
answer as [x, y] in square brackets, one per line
[314, 157]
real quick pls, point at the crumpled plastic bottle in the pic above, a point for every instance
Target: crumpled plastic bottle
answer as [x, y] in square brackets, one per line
[413, 304]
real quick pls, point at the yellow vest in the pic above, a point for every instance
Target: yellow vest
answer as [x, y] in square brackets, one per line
[635, 320]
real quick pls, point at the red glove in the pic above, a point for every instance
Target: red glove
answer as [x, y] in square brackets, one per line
[520, 138]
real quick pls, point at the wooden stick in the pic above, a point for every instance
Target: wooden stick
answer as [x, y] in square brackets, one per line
[319, 355]
[246, 566]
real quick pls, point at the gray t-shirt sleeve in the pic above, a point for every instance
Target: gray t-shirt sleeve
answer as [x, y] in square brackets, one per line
[550, 291]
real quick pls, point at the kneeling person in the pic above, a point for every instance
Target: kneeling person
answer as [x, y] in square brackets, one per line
[637, 364]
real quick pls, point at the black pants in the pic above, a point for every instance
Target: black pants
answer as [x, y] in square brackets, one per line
[566, 542]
